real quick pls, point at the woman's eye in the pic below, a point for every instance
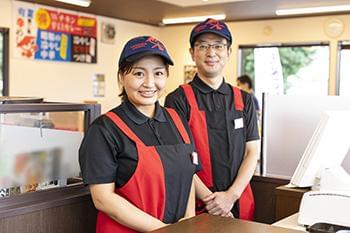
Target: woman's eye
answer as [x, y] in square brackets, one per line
[160, 73]
[138, 74]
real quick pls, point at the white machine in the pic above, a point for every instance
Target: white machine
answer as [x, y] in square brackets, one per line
[327, 207]
[331, 204]
[320, 167]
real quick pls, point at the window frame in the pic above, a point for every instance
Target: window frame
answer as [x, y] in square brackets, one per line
[343, 44]
[5, 59]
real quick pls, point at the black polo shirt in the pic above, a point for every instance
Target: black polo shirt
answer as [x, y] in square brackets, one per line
[107, 155]
[226, 143]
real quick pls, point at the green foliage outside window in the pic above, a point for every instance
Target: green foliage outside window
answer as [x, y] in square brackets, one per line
[292, 60]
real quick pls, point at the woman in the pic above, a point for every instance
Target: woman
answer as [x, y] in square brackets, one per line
[138, 159]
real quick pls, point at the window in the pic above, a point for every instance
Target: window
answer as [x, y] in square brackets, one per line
[287, 69]
[4, 61]
[343, 87]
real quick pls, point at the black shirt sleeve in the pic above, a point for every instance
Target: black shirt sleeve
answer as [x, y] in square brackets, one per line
[250, 117]
[97, 154]
[177, 100]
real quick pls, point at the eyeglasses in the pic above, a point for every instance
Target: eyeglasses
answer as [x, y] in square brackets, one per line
[205, 47]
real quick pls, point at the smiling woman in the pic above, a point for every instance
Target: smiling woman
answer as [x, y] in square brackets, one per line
[132, 156]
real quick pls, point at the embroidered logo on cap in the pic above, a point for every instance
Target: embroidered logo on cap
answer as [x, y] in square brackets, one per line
[156, 44]
[210, 24]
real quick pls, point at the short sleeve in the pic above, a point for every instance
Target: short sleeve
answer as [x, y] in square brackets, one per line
[252, 132]
[97, 156]
[177, 100]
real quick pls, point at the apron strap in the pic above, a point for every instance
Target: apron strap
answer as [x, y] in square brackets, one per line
[123, 127]
[178, 123]
[237, 98]
[190, 96]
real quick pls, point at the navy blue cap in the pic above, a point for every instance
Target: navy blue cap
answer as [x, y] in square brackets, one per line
[141, 46]
[211, 26]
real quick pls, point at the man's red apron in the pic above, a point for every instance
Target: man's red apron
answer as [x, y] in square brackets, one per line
[147, 189]
[199, 129]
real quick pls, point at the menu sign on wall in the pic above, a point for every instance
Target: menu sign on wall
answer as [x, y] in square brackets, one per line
[43, 33]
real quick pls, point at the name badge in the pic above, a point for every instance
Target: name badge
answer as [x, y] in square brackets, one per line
[194, 156]
[239, 123]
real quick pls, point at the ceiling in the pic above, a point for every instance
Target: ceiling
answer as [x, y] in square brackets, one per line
[153, 11]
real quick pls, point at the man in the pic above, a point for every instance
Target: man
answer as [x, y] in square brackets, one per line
[223, 123]
[245, 83]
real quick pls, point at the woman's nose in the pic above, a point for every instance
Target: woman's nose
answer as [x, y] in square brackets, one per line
[149, 81]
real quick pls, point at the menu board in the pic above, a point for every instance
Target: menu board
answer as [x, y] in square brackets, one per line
[53, 34]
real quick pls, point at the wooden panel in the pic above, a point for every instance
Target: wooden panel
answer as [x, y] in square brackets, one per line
[288, 201]
[264, 195]
[72, 218]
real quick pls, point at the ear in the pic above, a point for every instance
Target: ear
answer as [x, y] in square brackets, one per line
[121, 80]
[191, 50]
[229, 51]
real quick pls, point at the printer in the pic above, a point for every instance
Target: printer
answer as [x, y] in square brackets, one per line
[331, 203]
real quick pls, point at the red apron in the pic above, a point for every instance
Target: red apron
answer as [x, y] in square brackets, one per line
[199, 129]
[146, 189]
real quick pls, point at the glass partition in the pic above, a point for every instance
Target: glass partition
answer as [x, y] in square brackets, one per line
[39, 148]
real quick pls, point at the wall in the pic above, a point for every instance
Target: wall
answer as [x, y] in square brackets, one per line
[73, 82]
[62, 81]
[306, 29]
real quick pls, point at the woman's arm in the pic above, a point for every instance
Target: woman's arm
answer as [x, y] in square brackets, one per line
[121, 210]
[201, 190]
[191, 204]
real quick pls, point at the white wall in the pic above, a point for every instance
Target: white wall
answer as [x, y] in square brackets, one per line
[66, 81]
[307, 29]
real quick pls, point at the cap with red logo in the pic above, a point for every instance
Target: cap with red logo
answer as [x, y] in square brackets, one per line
[211, 26]
[141, 46]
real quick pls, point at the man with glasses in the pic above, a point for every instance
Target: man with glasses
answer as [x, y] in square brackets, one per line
[223, 123]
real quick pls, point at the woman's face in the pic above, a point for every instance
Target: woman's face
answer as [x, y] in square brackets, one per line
[145, 83]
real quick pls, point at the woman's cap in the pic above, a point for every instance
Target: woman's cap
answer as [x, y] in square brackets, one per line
[141, 46]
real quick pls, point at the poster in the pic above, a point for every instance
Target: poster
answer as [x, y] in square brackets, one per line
[189, 73]
[44, 33]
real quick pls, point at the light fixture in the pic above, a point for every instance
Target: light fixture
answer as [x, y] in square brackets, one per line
[313, 10]
[192, 19]
[83, 3]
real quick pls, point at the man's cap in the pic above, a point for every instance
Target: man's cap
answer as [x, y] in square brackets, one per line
[211, 26]
[141, 46]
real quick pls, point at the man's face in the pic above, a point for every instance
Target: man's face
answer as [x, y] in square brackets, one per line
[210, 53]
[243, 86]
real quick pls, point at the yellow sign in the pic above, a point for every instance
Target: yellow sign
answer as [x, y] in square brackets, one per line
[42, 19]
[85, 22]
[63, 49]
